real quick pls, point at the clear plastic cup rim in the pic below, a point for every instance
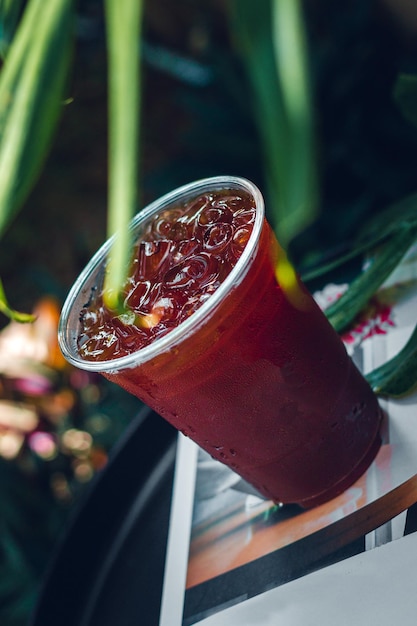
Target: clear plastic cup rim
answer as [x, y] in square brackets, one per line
[69, 327]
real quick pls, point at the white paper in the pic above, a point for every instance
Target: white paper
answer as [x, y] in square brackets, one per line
[374, 588]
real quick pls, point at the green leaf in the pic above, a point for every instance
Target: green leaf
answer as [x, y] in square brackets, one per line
[290, 50]
[398, 376]
[124, 19]
[31, 91]
[401, 214]
[375, 231]
[270, 38]
[9, 16]
[11, 313]
[384, 260]
[405, 95]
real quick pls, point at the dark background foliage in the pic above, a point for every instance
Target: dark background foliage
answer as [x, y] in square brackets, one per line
[198, 120]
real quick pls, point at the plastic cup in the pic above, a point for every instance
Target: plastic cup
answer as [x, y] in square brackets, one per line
[256, 376]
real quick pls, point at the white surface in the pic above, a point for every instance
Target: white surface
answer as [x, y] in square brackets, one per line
[374, 588]
[179, 534]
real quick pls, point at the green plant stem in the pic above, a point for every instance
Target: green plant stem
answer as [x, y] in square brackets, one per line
[123, 18]
[11, 313]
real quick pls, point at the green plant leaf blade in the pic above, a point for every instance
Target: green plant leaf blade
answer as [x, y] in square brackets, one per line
[9, 17]
[398, 376]
[385, 259]
[401, 214]
[290, 53]
[32, 83]
[269, 36]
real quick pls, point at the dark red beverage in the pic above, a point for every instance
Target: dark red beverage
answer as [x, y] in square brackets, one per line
[248, 367]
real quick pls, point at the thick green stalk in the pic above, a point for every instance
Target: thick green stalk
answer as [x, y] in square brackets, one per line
[124, 18]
